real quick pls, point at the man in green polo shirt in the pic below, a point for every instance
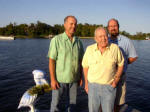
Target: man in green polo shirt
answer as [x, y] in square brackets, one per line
[65, 56]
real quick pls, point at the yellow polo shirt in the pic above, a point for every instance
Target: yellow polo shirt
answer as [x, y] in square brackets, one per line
[102, 67]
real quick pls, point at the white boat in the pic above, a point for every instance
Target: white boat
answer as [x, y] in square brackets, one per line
[147, 38]
[7, 38]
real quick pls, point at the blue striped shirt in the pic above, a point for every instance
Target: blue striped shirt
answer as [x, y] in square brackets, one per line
[127, 48]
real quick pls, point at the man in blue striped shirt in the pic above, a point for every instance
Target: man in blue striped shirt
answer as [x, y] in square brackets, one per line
[129, 54]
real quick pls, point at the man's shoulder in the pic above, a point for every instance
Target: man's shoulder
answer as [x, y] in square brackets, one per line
[77, 38]
[59, 36]
[92, 46]
[113, 46]
[124, 38]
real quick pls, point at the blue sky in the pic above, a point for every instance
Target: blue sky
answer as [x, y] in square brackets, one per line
[133, 15]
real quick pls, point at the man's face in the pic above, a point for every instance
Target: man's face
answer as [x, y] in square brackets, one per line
[113, 28]
[70, 25]
[101, 38]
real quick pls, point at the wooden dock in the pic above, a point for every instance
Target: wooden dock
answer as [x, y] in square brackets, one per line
[124, 108]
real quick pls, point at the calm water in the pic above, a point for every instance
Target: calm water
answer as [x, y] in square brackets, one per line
[19, 58]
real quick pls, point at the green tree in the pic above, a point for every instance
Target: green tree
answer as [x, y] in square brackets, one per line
[31, 30]
[42, 28]
[58, 29]
[21, 29]
[9, 29]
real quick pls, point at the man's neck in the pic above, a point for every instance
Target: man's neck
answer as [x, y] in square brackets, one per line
[102, 49]
[114, 37]
[70, 36]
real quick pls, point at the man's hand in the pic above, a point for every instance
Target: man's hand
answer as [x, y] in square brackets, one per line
[113, 84]
[117, 76]
[131, 60]
[54, 85]
[86, 87]
[85, 71]
[80, 82]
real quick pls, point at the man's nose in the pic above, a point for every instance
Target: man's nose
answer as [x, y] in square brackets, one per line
[74, 25]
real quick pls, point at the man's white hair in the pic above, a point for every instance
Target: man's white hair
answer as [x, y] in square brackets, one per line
[100, 28]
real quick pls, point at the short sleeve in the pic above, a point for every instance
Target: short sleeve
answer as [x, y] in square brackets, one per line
[131, 50]
[53, 49]
[85, 59]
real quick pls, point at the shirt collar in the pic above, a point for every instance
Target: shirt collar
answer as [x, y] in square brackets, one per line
[119, 38]
[115, 40]
[65, 37]
[96, 48]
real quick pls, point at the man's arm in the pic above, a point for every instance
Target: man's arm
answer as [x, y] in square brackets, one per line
[85, 71]
[132, 55]
[117, 76]
[80, 63]
[81, 72]
[54, 83]
[131, 60]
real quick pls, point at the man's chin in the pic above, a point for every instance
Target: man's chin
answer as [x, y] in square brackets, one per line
[72, 32]
[114, 34]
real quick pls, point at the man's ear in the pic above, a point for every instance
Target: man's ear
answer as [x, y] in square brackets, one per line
[95, 39]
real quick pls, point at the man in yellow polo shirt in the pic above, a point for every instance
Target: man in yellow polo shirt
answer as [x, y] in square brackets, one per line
[65, 55]
[102, 65]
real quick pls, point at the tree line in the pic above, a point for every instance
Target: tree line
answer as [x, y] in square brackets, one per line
[42, 30]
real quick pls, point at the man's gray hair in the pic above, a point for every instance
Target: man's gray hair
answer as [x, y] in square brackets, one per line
[100, 28]
[69, 17]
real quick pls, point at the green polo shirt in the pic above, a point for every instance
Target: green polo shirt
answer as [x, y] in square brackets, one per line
[67, 55]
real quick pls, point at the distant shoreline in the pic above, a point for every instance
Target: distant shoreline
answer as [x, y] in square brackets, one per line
[47, 37]
[86, 37]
